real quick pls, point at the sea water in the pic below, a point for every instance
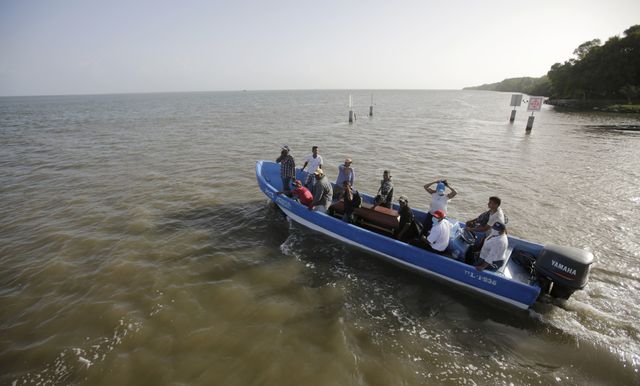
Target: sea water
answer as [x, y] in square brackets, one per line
[136, 248]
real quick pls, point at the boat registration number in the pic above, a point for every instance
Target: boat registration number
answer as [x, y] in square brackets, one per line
[482, 278]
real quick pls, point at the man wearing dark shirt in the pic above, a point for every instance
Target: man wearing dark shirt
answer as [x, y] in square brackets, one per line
[352, 200]
[385, 192]
[407, 230]
[287, 168]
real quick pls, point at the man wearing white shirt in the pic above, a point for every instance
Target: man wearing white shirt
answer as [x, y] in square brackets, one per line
[439, 200]
[438, 238]
[492, 252]
[485, 221]
[314, 161]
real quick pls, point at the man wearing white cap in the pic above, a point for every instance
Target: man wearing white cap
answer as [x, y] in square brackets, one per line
[439, 201]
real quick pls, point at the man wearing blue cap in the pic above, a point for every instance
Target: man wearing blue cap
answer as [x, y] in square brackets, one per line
[439, 200]
[492, 252]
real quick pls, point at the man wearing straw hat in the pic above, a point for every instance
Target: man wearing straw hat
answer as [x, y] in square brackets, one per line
[322, 192]
[345, 173]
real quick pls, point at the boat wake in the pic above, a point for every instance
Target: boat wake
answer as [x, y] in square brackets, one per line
[290, 246]
[71, 364]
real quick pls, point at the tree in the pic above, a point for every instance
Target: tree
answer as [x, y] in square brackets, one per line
[606, 71]
[633, 30]
[586, 47]
[630, 92]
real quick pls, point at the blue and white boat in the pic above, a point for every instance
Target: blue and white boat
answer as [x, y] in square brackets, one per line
[530, 271]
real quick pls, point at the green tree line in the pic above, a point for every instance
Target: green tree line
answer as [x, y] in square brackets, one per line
[598, 71]
[527, 85]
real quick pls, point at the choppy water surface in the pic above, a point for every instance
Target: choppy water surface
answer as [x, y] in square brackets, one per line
[136, 248]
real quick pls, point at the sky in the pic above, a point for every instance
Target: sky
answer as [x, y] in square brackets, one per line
[65, 47]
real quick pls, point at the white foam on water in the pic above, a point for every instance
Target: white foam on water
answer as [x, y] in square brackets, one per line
[288, 247]
[74, 361]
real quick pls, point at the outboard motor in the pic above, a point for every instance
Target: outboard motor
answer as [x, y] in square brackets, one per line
[563, 270]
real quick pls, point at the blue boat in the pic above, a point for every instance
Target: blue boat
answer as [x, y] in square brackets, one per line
[530, 271]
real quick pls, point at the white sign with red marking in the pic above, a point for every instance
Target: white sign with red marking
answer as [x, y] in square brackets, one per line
[535, 103]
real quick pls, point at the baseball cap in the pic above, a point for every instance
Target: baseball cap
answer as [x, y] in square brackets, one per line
[438, 214]
[498, 226]
[318, 172]
[403, 199]
[286, 147]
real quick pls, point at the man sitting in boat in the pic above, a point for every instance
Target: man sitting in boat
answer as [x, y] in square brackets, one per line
[385, 191]
[485, 221]
[437, 239]
[352, 200]
[300, 193]
[492, 252]
[322, 192]
[439, 201]
[408, 228]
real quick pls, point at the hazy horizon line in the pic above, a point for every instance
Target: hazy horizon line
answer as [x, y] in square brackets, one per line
[234, 90]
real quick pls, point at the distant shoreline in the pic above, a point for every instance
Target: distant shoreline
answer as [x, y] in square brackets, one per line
[608, 106]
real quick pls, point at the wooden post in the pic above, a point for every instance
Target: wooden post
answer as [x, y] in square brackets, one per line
[530, 122]
[516, 100]
[351, 117]
[535, 104]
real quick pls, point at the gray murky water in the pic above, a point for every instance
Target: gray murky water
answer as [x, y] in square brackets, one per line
[136, 248]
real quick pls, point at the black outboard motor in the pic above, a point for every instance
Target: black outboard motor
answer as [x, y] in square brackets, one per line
[563, 270]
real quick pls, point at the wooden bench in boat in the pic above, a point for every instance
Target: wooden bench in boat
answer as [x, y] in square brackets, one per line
[375, 218]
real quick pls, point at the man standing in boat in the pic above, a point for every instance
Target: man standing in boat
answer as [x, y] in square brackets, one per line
[345, 173]
[314, 161]
[322, 192]
[439, 201]
[287, 168]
